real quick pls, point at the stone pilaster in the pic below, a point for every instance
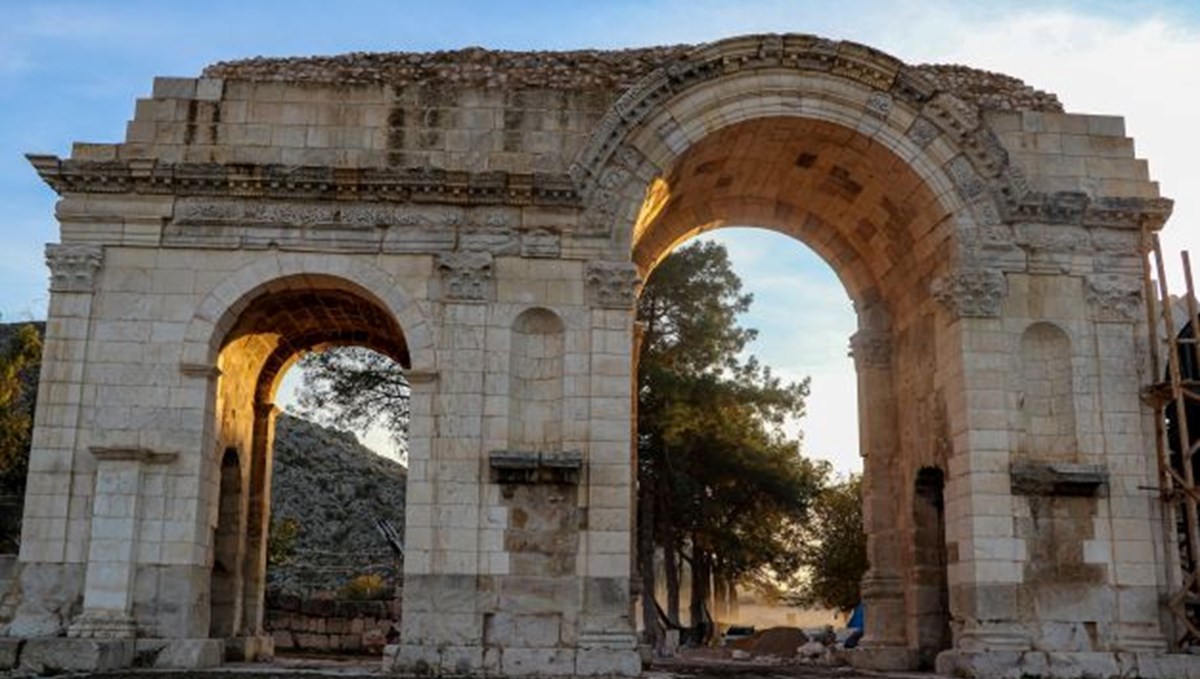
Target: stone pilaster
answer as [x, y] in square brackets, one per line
[112, 550]
[258, 518]
[884, 642]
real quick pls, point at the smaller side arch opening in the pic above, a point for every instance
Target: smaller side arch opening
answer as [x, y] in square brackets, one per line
[227, 581]
[269, 329]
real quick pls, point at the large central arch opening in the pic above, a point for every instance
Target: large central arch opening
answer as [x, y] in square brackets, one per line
[885, 231]
[269, 330]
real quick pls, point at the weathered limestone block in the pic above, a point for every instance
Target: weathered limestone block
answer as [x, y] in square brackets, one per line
[58, 654]
[537, 662]
[186, 654]
[10, 652]
[537, 631]
[607, 662]
[51, 595]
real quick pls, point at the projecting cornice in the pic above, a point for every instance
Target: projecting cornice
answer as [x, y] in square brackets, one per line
[150, 177]
[1075, 207]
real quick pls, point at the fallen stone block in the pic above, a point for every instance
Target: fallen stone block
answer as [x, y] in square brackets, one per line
[10, 653]
[182, 654]
[61, 654]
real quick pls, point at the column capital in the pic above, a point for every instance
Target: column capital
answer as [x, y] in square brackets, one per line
[871, 349]
[466, 276]
[73, 266]
[970, 293]
[613, 285]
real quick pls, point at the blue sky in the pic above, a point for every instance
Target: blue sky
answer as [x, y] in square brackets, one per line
[71, 71]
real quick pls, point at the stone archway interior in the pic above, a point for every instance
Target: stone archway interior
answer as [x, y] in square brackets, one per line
[848, 197]
[272, 329]
[886, 233]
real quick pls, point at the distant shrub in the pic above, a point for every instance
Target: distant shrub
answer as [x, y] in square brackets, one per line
[281, 541]
[364, 587]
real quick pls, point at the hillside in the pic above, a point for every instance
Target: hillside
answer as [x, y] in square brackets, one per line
[335, 489]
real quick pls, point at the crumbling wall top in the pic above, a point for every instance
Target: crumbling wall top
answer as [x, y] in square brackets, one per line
[587, 70]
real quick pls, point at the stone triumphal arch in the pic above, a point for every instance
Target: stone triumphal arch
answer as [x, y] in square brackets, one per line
[485, 219]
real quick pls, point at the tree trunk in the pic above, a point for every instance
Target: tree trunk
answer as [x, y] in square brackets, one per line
[701, 577]
[671, 562]
[731, 603]
[720, 608]
[652, 631]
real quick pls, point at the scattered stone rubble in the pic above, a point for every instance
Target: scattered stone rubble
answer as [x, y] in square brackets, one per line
[571, 70]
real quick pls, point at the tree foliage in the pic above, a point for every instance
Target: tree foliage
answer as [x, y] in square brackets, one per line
[20, 359]
[355, 388]
[281, 540]
[835, 548]
[731, 491]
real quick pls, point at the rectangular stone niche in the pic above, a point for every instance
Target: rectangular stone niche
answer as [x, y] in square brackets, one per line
[523, 467]
[1031, 477]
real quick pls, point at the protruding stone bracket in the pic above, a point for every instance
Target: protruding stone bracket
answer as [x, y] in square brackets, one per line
[421, 376]
[527, 467]
[1059, 479]
[135, 453]
[200, 370]
[73, 266]
[1077, 207]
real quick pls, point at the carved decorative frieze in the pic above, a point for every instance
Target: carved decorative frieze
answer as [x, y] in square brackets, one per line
[466, 276]
[541, 243]
[73, 266]
[613, 285]
[388, 185]
[360, 227]
[1051, 238]
[1114, 297]
[496, 240]
[1076, 207]
[871, 349]
[970, 294]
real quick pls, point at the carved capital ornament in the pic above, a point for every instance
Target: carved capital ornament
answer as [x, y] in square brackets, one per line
[613, 285]
[73, 266]
[466, 276]
[871, 349]
[974, 293]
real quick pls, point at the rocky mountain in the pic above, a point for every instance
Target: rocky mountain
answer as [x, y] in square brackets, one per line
[334, 489]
